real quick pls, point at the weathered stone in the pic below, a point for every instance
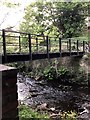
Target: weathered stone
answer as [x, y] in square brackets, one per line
[9, 93]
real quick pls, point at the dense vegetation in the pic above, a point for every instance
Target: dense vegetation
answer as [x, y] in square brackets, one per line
[66, 19]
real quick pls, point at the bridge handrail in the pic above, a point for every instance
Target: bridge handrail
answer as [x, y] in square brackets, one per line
[38, 35]
[47, 39]
[16, 32]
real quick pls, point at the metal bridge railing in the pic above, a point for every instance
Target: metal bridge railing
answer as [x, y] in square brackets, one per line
[14, 42]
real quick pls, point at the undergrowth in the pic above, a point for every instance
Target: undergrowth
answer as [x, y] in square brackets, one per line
[27, 113]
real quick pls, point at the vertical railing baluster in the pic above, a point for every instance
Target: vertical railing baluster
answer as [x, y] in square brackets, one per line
[67, 45]
[83, 46]
[77, 47]
[37, 44]
[4, 45]
[30, 47]
[60, 46]
[88, 46]
[19, 45]
[70, 46]
[47, 43]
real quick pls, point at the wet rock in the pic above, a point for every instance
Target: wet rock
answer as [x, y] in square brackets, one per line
[85, 114]
[52, 109]
[42, 106]
[83, 117]
[55, 116]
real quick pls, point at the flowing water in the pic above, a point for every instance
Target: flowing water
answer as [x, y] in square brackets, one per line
[62, 97]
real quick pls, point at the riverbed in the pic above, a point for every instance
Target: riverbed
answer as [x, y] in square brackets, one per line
[43, 96]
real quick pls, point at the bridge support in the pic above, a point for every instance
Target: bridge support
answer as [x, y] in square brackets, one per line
[8, 93]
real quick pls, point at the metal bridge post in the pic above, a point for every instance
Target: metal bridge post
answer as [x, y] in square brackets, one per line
[4, 45]
[67, 45]
[77, 48]
[60, 44]
[37, 44]
[70, 46]
[47, 43]
[30, 49]
[19, 45]
[83, 46]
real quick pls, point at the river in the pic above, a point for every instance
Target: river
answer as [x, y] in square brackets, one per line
[35, 93]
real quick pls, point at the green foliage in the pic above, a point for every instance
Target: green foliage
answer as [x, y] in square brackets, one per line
[12, 49]
[43, 43]
[70, 20]
[50, 73]
[63, 71]
[63, 75]
[55, 18]
[53, 73]
[26, 113]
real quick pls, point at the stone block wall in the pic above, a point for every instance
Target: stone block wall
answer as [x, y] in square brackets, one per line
[9, 96]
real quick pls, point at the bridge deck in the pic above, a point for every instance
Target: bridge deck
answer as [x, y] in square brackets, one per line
[27, 57]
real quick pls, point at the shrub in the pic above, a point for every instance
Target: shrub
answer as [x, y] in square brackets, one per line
[50, 73]
[63, 72]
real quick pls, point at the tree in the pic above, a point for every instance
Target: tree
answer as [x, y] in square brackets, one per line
[70, 20]
[55, 18]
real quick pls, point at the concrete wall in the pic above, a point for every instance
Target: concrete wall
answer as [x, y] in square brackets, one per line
[72, 63]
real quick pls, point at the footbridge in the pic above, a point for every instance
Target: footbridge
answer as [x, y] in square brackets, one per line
[20, 46]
